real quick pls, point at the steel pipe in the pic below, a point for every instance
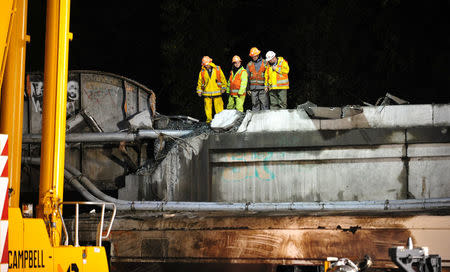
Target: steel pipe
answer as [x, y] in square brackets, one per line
[111, 136]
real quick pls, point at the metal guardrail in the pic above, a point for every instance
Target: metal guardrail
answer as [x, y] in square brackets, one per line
[77, 204]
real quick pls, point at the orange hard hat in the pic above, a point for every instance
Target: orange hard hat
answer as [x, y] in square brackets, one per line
[254, 52]
[236, 58]
[206, 60]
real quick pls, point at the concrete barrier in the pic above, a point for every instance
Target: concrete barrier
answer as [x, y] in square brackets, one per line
[323, 165]
[395, 116]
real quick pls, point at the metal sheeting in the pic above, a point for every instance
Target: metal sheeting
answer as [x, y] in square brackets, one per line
[96, 102]
[107, 97]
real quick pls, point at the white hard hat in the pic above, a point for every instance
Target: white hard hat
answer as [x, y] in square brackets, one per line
[270, 55]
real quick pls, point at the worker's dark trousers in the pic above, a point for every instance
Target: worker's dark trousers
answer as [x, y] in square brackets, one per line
[260, 100]
[278, 99]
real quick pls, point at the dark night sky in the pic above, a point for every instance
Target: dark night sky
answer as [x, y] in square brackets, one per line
[120, 37]
[340, 52]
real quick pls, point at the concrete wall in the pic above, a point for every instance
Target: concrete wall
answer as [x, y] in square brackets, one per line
[326, 165]
[344, 173]
[363, 164]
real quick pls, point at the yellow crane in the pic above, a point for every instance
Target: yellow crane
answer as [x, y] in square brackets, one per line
[35, 244]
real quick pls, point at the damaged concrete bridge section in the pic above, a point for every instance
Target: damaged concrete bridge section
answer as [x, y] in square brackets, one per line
[281, 157]
[305, 159]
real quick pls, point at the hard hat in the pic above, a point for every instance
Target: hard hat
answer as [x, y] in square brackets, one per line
[236, 58]
[254, 52]
[206, 60]
[270, 55]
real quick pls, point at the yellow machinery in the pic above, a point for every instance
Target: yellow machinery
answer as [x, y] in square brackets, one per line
[34, 244]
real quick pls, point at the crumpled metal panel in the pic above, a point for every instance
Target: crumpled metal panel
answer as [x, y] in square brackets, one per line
[107, 100]
[100, 94]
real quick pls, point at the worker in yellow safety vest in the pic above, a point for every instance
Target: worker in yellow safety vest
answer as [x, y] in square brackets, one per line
[237, 85]
[211, 84]
[256, 69]
[276, 80]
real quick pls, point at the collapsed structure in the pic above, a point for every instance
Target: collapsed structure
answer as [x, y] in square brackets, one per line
[269, 188]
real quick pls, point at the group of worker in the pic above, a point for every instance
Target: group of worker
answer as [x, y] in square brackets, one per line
[266, 80]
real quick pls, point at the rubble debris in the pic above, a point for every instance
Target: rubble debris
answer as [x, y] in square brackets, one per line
[140, 121]
[74, 123]
[162, 121]
[307, 107]
[348, 111]
[184, 117]
[388, 99]
[225, 120]
[329, 112]
[326, 112]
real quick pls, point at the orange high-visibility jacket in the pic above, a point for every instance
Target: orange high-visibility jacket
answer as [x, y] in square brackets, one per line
[276, 77]
[256, 78]
[211, 86]
[237, 84]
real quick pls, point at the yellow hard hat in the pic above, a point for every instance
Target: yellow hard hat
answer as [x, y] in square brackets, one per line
[206, 60]
[236, 58]
[254, 52]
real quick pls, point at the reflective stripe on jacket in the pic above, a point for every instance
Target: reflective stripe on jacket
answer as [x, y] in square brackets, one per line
[237, 84]
[256, 78]
[276, 77]
[211, 86]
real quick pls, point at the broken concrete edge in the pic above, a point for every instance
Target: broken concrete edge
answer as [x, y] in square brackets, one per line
[395, 116]
[141, 120]
[225, 120]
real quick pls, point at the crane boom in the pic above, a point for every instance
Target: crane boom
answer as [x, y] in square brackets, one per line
[34, 244]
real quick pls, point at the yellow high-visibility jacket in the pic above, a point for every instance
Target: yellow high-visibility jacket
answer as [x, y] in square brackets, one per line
[276, 77]
[211, 86]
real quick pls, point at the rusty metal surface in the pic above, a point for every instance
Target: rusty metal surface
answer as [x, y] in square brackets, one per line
[304, 239]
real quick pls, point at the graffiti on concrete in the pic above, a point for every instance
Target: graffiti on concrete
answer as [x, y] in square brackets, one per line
[73, 95]
[256, 167]
[37, 90]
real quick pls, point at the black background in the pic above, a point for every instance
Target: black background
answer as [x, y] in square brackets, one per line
[339, 52]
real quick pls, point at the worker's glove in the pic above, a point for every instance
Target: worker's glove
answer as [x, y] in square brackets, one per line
[266, 89]
[249, 92]
[199, 94]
